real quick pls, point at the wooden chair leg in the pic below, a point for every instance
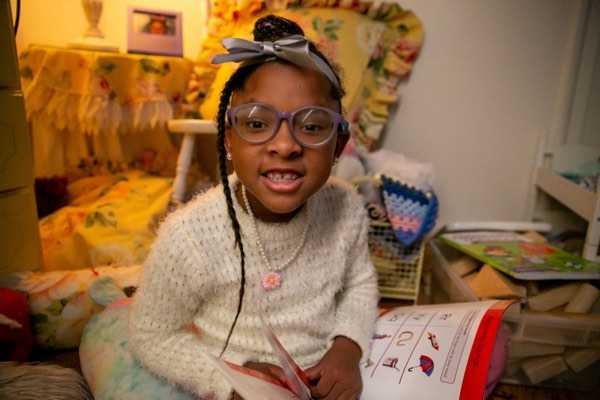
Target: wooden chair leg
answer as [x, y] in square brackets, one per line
[184, 161]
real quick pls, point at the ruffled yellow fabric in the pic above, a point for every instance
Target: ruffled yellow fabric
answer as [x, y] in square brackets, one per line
[376, 44]
[102, 93]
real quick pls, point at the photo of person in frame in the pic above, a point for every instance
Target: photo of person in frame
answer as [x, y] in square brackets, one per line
[154, 23]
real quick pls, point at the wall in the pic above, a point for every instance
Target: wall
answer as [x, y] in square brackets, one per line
[585, 119]
[58, 22]
[493, 75]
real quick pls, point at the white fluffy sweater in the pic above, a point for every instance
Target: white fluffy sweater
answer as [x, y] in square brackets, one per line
[192, 275]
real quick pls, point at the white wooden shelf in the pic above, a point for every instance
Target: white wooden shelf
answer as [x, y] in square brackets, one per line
[579, 200]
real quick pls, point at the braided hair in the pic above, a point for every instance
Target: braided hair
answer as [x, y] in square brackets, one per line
[266, 29]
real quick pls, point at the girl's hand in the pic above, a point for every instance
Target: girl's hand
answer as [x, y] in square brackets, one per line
[337, 375]
[267, 369]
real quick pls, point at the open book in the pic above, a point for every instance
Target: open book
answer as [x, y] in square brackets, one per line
[419, 352]
[518, 256]
[254, 385]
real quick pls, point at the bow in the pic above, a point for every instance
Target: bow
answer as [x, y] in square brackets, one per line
[292, 48]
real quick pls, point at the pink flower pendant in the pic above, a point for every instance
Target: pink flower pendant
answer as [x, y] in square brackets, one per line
[272, 280]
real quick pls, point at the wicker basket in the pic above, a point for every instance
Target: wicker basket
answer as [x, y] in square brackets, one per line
[399, 267]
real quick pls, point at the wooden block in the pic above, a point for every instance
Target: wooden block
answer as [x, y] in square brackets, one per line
[533, 288]
[468, 279]
[579, 358]
[512, 367]
[523, 349]
[553, 298]
[535, 236]
[583, 300]
[539, 369]
[596, 307]
[464, 265]
[514, 308]
[490, 282]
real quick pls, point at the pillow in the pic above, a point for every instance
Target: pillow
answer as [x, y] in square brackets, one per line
[343, 35]
[59, 302]
[110, 369]
[376, 43]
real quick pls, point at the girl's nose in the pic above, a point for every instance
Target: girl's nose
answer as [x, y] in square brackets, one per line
[284, 143]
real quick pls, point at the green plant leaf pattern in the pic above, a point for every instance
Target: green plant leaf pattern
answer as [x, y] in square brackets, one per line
[101, 217]
[327, 28]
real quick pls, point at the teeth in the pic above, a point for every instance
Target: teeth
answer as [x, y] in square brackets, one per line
[282, 177]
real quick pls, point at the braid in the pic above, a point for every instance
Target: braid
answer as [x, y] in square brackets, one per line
[224, 101]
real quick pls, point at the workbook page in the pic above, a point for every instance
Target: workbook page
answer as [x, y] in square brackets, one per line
[425, 352]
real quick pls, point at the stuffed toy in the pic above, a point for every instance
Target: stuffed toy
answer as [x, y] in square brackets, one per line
[16, 338]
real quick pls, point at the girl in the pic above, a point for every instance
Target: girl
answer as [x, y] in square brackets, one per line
[278, 239]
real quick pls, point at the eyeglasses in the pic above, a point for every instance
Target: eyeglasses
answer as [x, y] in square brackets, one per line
[312, 126]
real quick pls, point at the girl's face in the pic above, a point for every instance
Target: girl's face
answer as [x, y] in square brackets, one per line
[281, 175]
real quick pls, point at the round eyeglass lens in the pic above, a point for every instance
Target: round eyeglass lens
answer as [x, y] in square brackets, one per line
[313, 126]
[255, 122]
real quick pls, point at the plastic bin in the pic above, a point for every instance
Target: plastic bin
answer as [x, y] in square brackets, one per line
[553, 328]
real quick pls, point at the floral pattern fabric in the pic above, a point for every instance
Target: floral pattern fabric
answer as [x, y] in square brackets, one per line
[60, 305]
[110, 369]
[110, 93]
[77, 100]
[110, 220]
[376, 43]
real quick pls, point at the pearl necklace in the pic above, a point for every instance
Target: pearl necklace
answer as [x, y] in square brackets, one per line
[272, 279]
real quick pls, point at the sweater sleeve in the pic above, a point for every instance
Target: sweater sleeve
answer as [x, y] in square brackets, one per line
[162, 311]
[357, 302]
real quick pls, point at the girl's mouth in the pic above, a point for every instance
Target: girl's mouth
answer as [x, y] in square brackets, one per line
[282, 177]
[283, 181]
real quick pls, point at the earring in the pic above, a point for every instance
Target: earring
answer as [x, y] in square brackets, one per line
[335, 160]
[229, 156]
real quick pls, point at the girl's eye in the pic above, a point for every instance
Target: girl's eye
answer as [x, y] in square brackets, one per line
[312, 128]
[314, 122]
[255, 125]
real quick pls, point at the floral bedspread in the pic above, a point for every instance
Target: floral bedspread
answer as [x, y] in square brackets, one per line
[110, 220]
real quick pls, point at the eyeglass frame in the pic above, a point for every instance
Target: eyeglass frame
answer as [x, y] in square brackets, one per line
[340, 125]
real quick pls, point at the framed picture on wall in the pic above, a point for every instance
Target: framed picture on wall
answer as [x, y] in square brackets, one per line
[154, 32]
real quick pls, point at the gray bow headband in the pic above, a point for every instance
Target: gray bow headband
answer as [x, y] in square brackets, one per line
[292, 48]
